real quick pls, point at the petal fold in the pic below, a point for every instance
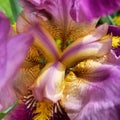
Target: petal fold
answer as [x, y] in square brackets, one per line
[89, 46]
[93, 100]
[49, 83]
[46, 44]
[85, 10]
[44, 41]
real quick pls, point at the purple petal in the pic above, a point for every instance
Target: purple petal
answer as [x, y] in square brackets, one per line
[114, 30]
[16, 50]
[96, 100]
[58, 9]
[86, 10]
[4, 27]
[117, 51]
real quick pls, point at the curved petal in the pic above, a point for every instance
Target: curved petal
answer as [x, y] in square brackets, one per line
[85, 10]
[46, 44]
[49, 83]
[95, 100]
[90, 46]
[44, 41]
[58, 9]
[13, 61]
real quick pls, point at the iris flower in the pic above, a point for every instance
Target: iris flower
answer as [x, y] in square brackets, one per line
[13, 50]
[69, 73]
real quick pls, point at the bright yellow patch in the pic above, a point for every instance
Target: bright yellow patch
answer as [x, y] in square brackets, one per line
[14, 27]
[58, 42]
[116, 20]
[43, 110]
[115, 41]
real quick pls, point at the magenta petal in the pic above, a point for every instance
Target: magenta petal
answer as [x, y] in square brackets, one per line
[16, 50]
[4, 27]
[20, 112]
[86, 10]
[114, 30]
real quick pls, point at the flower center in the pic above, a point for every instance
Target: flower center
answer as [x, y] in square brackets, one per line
[31, 109]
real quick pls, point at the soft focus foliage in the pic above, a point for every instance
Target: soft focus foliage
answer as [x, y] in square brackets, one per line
[11, 8]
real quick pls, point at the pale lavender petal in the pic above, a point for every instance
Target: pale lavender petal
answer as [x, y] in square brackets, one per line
[86, 10]
[97, 97]
[49, 83]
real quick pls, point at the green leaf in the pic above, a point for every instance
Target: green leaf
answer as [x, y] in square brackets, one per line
[11, 8]
[5, 112]
[15, 8]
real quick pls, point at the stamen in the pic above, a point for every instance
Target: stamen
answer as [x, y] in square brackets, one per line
[43, 110]
[24, 109]
[59, 113]
[30, 103]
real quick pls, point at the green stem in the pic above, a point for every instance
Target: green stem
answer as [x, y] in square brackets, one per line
[110, 20]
